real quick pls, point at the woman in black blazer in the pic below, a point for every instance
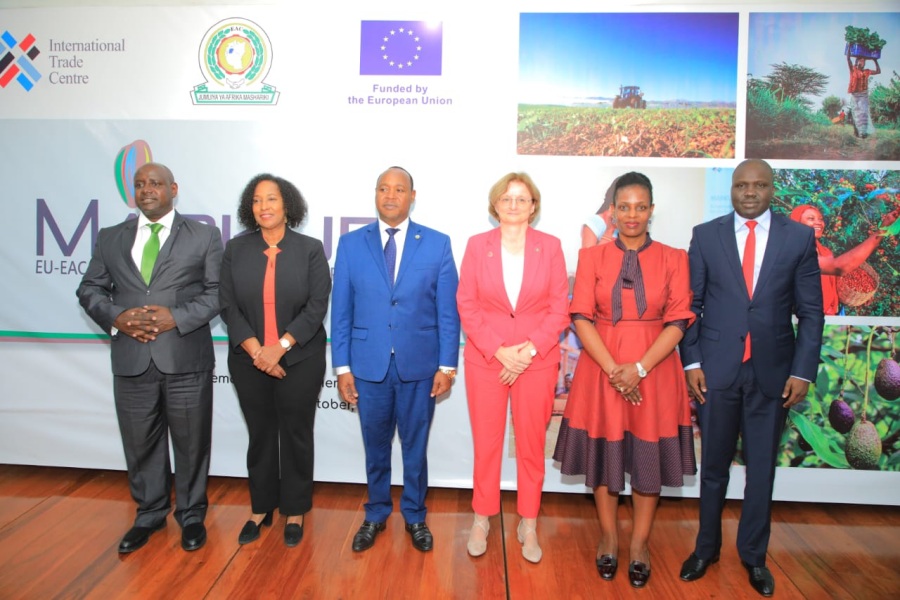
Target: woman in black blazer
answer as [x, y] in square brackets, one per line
[274, 289]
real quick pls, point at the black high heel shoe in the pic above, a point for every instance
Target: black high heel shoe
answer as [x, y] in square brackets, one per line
[607, 566]
[638, 574]
[250, 532]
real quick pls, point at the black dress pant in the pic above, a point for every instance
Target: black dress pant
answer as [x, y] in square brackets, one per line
[280, 415]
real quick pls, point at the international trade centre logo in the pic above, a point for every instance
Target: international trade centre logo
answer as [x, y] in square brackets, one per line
[235, 57]
[16, 61]
[400, 48]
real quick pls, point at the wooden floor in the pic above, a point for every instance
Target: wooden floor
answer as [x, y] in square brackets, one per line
[59, 530]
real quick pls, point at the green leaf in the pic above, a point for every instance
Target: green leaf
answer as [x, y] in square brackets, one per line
[821, 445]
[894, 228]
[822, 382]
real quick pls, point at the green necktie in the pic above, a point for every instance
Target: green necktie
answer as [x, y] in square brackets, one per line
[151, 251]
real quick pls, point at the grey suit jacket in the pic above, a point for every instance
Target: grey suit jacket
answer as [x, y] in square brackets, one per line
[185, 279]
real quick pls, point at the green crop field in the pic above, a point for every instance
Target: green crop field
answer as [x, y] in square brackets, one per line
[662, 132]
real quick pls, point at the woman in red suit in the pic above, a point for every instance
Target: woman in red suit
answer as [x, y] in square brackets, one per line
[513, 305]
[628, 409]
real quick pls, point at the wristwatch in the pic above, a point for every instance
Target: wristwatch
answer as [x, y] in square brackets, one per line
[285, 344]
[451, 373]
[642, 372]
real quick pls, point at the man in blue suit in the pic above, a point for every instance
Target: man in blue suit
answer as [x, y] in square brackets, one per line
[751, 270]
[394, 346]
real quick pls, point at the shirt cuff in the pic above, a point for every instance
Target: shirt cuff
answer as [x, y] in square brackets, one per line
[341, 370]
[692, 366]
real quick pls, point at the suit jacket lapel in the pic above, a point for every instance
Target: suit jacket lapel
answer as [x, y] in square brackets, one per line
[129, 235]
[373, 240]
[494, 254]
[162, 259]
[410, 247]
[773, 248]
[730, 250]
[534, 257]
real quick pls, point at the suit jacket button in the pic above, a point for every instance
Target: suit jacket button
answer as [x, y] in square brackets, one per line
[394, 303]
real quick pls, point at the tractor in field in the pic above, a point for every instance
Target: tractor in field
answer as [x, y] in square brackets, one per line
[630, 96]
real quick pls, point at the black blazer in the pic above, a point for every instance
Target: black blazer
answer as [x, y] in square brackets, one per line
[302, 286]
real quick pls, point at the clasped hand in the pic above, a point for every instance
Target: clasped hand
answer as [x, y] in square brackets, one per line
[144, 323]
[625, 379]
[515, 359]
[266, 360]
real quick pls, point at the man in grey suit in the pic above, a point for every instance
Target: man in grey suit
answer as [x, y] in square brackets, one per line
[153, 284]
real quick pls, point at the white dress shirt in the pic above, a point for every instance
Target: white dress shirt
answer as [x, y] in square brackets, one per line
[143, 234]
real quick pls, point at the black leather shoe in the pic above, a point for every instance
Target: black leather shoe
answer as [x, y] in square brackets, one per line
[607, 565]
[761, 579]
[638, 574]
[137, 537]
[193, 536]
[250, 532]
[422, 539]
[293, 533]
[695, 568]
[365, 537]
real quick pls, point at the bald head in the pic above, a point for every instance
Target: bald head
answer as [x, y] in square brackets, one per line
[752, 188]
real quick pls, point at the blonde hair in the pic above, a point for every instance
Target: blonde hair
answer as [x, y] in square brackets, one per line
[499, 188]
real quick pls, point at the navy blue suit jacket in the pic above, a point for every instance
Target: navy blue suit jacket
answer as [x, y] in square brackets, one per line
[417, 317]
[789, 283]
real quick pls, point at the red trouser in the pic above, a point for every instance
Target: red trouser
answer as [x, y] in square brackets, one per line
[531, 396]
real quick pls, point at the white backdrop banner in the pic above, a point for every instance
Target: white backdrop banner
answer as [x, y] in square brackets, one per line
[221, 93]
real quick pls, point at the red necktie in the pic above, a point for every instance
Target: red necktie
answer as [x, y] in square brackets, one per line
[747, 266]
[270, 323]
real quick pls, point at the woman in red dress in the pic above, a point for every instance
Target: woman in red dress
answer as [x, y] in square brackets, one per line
[832, 266]
[628, 409]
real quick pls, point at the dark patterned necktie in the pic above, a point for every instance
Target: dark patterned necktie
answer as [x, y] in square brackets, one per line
[390, 254]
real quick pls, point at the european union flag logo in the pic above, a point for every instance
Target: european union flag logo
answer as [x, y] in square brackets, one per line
[400, 48]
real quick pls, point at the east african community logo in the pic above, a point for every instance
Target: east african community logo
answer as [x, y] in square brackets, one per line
[235, 56]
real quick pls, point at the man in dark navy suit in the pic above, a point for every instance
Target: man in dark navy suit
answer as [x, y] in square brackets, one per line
[751, 271]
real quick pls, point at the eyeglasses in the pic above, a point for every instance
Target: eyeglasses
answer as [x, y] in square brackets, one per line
[519, 201]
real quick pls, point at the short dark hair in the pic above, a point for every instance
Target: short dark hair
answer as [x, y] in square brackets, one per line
[412, 185]
[634, 178]
[295, 207]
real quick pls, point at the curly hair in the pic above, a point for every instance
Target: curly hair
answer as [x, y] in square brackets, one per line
[295, 207]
